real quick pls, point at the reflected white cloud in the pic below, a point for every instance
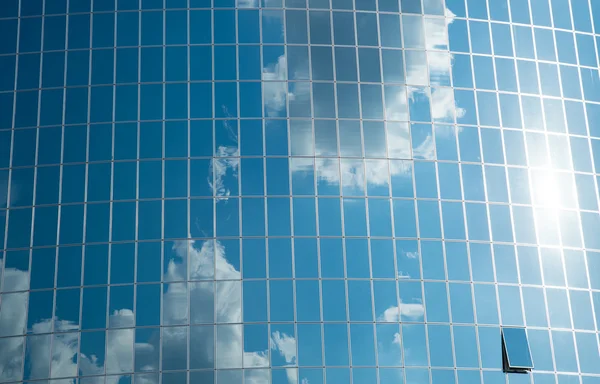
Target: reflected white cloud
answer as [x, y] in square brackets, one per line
[411, 255]
[204, 261]
[121, 343]
[412, 311]
[247, 3]
[256, 3]
[443, 107]
[390, 315]
[396, 103]
[226, 162]
[426, 149]
[354, 173]
[285, 345]
[436, 32]
[229, 338]
[275, 91]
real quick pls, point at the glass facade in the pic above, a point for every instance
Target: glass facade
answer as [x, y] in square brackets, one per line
[299, 191]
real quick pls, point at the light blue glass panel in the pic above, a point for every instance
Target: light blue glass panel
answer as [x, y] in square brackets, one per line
[490, 347]
[564, 351]
[541, 352]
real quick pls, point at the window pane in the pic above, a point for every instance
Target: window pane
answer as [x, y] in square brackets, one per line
[516, 348]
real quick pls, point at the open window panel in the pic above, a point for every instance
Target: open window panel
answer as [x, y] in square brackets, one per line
[516, 355]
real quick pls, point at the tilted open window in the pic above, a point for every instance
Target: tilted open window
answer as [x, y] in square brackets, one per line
[516, 356]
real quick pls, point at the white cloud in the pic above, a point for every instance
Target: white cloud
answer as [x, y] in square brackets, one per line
[225, 163]
[426, 149]
[247, 3]
[437, 66]
[412, 311]
[436, 32]
[285, 345]
[205, 261]
[443, 107]
[411, 255]
[396, 103]
[390, 315]
[275, 91]
[255, 3]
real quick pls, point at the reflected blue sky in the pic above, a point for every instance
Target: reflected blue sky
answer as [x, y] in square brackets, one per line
[297, 193]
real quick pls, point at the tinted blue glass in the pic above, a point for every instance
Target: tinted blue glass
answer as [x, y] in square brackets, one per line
[214, 176]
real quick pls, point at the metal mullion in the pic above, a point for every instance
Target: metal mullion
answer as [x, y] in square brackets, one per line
[391, 205]
[112, 201]
[322, 324]
[316, 176]
[30, 253]
[189, 203]
[343, 197]
[239, 185]
[86, 176]
[440, 212]
[367, 199]
[466, 243]
[477, 326]
[550, 338]
[292, 197]
[563, 262]
[510, 199]
[162, 242]
[287, 127]
[137, 191]
[214, 196]
[238, 124]
[487, 202]
[499, 108]
[507, 183]
[264, 198]
[62, 144]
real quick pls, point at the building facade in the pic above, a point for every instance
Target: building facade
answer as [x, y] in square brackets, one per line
[299, 191]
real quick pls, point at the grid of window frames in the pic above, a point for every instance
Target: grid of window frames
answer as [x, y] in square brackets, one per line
[308, 191]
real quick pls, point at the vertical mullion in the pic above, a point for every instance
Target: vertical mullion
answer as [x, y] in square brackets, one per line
[58, 227]
[26, 317]
[85, 206]
[163, 285]
[530, 185]
[137, 173]
[507, 175]
[188, 243]
[212, 174]
[485, 190]
[560, 230]
[239, 183]
[288, 142]
[342, 197]
[264, 182]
